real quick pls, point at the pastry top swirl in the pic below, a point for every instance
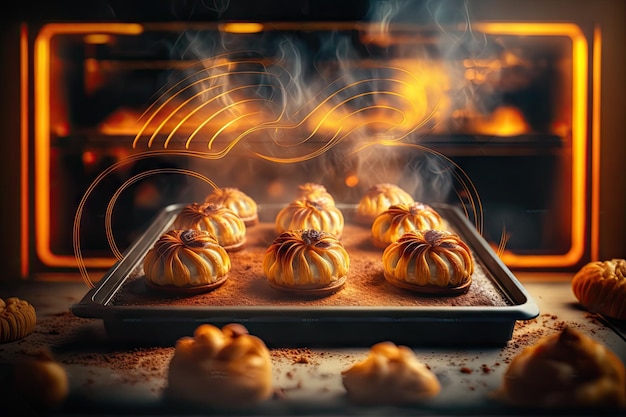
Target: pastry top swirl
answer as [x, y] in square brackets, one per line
[219, 220]
[428, 257]
[601, 287]
[398, 219]
[314, 191]
[320, 214]
[305, 259]
[183, 258]
[379, 198]
[236, 200]
[17, 319]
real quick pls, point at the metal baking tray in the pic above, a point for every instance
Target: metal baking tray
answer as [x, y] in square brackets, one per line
[293, 322]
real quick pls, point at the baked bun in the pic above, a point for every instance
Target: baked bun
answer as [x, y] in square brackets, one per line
[314, 191]
[601, 288]
[429, 261]
[565, 370]
[39, 381]
[226, 368]
[378, 199]
[307, 261]
[236, 200]
[17, 319]
[220, 221]
[320, 214]
[390, 375]
[186, 260]
[398, 219]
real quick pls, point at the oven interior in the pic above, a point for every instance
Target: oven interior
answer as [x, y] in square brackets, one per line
[496, 116]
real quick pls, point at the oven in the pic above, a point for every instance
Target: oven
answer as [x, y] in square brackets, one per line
[510, 110]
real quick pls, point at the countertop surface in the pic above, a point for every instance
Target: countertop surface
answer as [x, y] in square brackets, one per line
[115, 378]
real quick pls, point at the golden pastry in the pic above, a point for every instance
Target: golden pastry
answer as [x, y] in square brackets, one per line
[601, 287]
[186, 260]
[566, 370]
[318, 214]
[398, 219]
[313, 191]
[17, 319]
[307, 261]
[390, 375]
[429, 261]
[220, 221]
[236, 200]
[41, 382]
[226, 368]
[378, 199]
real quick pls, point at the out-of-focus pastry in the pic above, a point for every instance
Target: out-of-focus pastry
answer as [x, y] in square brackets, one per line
[40, 382]
[378, 199]
[227, 368]
[566, 370]
[390, 375]
[306, 261]
[220, 221]
[398, 219]
[236, 200]
[186, 261]
[320, 214]
[313, 191]
[601, 287]
[17, 319]
[434, 262]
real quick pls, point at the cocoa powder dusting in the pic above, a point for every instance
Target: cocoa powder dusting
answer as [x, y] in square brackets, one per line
[365, 286]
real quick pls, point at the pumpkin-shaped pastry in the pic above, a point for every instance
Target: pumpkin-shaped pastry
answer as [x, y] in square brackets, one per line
[601, 287]
[236, 200]
[307, 261]
[434, 262]
[320, 214]
[186, 261]
[220, 221]
[379, 198]
[398, 219]
[313, 191]
[17, 319]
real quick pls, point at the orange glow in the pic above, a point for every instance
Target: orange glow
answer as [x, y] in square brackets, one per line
[409, 98]
[241, 27]
[595, 145]
[384, 116]
[504, 121]
[24, 179]
[42, 134]
[352, 181]
[97, 38]
[276, 189]
[580, 56]
[89, 157]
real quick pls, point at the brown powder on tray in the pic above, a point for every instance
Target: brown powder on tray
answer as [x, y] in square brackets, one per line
[295, 355]
[365, 286]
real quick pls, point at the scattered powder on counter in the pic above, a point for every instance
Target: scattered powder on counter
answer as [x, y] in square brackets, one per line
[296, 355]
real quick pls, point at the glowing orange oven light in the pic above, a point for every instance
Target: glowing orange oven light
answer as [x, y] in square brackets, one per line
[241, 27]
[352, 181]
[324, 118]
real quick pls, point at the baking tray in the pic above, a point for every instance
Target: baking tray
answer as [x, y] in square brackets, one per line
[338, 320]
